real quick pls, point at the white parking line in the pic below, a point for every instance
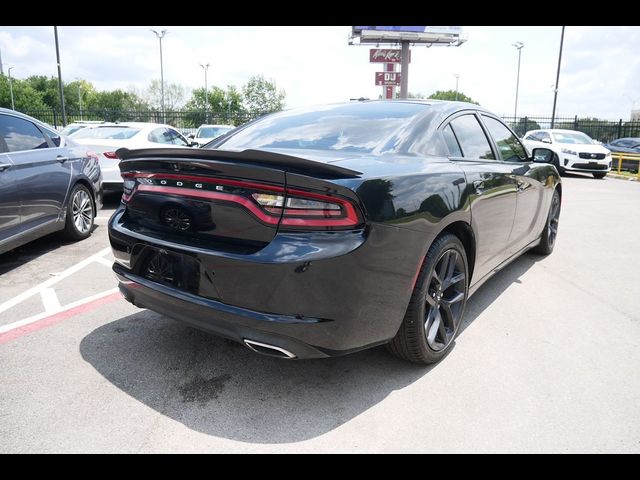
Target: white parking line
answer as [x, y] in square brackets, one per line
[40, 316]
[52, 281]
[105, 262]
[50, 300]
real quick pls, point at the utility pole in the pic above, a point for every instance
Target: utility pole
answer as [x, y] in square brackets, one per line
[79, 97]
[64, 113]
[555, 94]
[1, 67]
[519, 46]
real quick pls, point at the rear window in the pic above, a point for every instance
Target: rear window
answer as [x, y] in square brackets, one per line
[360, 127]
[212, 132]
[107, 133]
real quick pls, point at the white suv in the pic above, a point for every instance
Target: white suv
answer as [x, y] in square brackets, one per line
[574, 151]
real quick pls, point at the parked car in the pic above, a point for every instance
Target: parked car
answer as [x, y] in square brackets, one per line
[74, 127]
[573, 150]
[625, 145]
[106, 139]
[206, 133]
[47, 182]
[336, 228]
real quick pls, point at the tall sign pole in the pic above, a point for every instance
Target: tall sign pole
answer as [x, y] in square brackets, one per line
[404, 70]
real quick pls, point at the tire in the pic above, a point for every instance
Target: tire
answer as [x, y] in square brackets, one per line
[550, 232]
[556, 162]
[419, 339]
[599, 176]
[81, 214]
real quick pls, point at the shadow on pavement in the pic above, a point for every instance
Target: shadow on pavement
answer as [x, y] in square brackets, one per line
[220, 388]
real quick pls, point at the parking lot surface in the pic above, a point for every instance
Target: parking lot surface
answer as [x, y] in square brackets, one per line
[548, 360]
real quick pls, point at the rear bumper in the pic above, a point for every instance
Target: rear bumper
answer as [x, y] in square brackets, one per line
[315, 296]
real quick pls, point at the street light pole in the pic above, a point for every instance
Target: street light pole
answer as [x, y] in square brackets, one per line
[64, 113]
[519, 46]
[160, 37]
[206, 91]
[79, 97]
[555, 94]
[457, 75]
[13, 107]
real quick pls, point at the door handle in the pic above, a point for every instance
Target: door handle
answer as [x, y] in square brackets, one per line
[62, 158]
[479, 186]
[4, 166]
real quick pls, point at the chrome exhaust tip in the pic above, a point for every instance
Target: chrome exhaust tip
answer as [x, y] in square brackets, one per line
[267, 349]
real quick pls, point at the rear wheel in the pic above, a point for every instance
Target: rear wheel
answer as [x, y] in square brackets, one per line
[598, 176]
[80, 214]
[437, 304]
[548, 238]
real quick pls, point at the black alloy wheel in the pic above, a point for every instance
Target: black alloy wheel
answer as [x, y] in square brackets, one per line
[437, 305]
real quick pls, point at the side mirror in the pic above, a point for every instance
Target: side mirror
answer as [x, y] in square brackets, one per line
[546, 140]
[191, 135]
[542, 155]
[194, 144]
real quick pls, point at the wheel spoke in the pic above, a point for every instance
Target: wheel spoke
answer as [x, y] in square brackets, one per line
[451, 266]
[455, 279]
[431, 302]
[443, 266]
[433, 326]
[447, 316]
[457, 297]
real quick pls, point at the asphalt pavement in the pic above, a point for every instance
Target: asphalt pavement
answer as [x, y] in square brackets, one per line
[548, 360]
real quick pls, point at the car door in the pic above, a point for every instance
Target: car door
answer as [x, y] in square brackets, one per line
[9, 196]
[492, 189]
[42, 170]
[530, 185]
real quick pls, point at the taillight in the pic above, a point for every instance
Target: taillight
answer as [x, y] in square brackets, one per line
[92, 155]
[306, 209]
[275, 205]
[111, 155]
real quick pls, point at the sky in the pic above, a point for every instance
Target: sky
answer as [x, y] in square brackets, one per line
[599, 75]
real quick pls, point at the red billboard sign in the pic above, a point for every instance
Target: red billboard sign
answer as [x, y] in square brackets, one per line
[388, 78]
[386, 55]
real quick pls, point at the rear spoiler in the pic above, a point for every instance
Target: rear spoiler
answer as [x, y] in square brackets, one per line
[251, 157]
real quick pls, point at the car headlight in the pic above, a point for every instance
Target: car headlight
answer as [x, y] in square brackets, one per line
[607, 155]
[569, 152]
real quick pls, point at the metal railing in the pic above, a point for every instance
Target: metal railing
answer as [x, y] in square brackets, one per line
[602, 130]
[630, 157]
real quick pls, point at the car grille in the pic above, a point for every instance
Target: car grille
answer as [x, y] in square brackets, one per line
[592, 166]
[594, 156]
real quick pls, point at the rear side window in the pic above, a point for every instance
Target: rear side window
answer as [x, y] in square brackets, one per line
[473, 141]
[159, 135]
[452, 143]
[175, 138]
[511, 150]
[535, 136]
[54, 135]
[21, 134]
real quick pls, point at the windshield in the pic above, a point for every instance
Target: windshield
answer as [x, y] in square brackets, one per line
[70, 129]
[349, 128]
[107, 132]
[212, 132]
[572, 137]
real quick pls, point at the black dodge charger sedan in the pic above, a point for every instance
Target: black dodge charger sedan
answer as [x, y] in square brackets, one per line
[321, 231]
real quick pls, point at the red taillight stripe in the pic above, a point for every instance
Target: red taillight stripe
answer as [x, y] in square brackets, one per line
[110, 155]
[350, 218]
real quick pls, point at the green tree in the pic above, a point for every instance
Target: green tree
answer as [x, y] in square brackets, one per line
[118, 105]
[225, 106]
[25, 97]
[174, 95]
[261, 95]
[48, 88]
[451, 95]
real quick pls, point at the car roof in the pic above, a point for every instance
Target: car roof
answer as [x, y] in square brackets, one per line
[211, 125]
